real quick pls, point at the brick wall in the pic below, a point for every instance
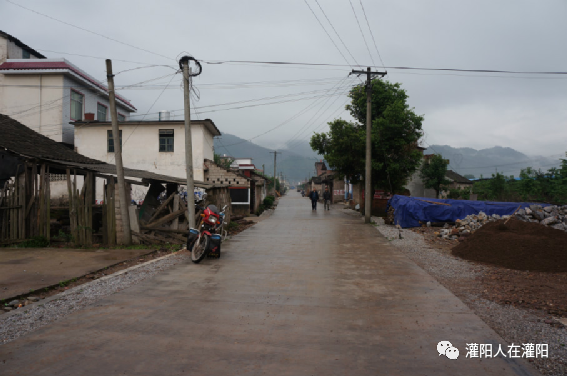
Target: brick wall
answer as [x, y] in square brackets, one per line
[218, 175]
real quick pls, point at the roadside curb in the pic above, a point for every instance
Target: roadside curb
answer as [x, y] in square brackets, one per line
[77, 288]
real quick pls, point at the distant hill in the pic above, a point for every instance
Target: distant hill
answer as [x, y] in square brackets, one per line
[295, 164]
[486, 162]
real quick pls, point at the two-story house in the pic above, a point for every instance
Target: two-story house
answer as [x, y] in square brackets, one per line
[151, 145]
[47, 94]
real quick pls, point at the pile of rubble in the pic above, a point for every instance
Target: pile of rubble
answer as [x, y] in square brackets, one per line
[552, 216]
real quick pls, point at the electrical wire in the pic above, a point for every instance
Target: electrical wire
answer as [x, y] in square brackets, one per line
[360, 28]
[341, 39]
[371, 34]
[88, 31]
[326, 32]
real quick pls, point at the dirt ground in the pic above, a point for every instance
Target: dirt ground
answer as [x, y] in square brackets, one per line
[543, 291]
[73, 266]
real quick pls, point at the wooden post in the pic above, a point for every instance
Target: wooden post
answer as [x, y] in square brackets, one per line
[175, 223]
[110, 208]
[47, 205]
[123, 197]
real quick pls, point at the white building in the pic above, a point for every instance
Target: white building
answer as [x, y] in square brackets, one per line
[47, 94]
[156, 146]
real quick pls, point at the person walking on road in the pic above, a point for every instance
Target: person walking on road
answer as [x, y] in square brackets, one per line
[327, 199]
[314, 196]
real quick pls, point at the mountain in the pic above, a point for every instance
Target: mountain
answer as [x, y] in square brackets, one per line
[296, 164]
[488, 161]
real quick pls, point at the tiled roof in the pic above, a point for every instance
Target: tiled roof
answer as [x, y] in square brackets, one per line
[19, 43]
[24, 141]
[53, 65]
[457, 178]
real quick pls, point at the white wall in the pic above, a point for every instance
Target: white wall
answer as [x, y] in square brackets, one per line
[35, 101]
[141, 147]
[43, 102]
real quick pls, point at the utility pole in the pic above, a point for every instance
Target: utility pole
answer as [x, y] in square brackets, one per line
[275, 153]
[188, 142]
[124, 202]
[368, 176]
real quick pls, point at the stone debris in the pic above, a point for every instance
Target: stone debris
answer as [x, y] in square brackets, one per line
[553, 216]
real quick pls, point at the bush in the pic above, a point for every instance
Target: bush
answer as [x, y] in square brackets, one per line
[35, 242]
[269, 201]
[260, 210]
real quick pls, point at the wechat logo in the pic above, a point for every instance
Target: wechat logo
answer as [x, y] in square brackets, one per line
[447, 349]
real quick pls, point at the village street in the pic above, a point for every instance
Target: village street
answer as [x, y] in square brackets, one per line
[300, 293]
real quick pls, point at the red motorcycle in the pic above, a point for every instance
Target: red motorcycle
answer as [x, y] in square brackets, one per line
[206, 239]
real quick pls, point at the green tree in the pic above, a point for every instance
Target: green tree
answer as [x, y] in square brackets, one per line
[497, 186]
[396, 130]
[222, 162]
[433, 173]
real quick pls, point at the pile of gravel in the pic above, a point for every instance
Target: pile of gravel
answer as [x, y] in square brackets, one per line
[25, 320]
[514, 325]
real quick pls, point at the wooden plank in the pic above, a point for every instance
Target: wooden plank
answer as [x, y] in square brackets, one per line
[104, 228]
[433, 202]
[71, 205]
[175, 223]
[161, 207]
[167, 218]
[163, 229]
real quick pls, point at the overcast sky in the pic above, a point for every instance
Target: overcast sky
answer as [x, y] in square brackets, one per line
[525, 112]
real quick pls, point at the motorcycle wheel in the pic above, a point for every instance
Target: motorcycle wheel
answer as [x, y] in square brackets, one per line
[198, 252]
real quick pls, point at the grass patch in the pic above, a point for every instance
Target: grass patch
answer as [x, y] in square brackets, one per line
[35, 242]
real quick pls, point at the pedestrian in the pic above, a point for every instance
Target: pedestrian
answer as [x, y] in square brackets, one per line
[314, 196]
[327, 199]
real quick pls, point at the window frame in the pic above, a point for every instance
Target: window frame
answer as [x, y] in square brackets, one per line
[118, 116]
[26, 54]
[106, 113]
[71, 104]
[108, 138]
[166, 137]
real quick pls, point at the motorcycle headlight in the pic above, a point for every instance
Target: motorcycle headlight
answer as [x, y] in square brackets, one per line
[213, 219]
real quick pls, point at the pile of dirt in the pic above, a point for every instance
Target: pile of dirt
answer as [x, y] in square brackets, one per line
[517, 245]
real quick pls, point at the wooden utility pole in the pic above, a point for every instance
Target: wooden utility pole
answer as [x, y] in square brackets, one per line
[122, 197]
[368, 195]
[275, 153]
[188, 146]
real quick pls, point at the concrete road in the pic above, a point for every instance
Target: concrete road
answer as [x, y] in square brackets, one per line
[301, 293]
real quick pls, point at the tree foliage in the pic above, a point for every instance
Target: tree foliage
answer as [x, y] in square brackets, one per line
[534, 186]
[433, 173]
[396, 130]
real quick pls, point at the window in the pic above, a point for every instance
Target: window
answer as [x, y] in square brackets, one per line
[166, 140]
[101, 112]
[25, 54]
[77, 100]
[111, 141]
[121, 117]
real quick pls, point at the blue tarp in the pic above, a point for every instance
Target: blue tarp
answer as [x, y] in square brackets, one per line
[409, 211]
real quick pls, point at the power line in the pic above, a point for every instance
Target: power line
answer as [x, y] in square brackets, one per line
[371, 34]
[326, 32]
[360, 28]
[330, 23]
[393, 67]
[88, 31]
